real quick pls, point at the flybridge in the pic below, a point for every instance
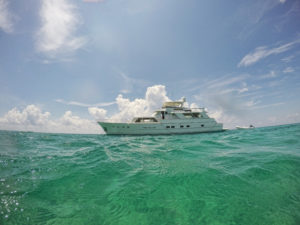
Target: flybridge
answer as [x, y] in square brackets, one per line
[173, 105]
[178, 105]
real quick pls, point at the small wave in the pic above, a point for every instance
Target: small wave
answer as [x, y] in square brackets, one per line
[233, 177]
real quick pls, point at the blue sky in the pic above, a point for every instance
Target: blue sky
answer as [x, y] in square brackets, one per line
[64, 64]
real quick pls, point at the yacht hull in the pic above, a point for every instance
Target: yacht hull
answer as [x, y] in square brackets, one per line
[160, 128]
[244, 128]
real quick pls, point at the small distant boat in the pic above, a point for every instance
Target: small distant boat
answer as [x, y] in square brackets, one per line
[244, 128]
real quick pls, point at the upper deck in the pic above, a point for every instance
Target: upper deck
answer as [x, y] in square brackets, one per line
[177, 104]
[172, 111]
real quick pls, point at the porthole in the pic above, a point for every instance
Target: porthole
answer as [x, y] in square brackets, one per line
[181, 126]
[202, 125]
[187, 125]
[167, 126]
[172, 126]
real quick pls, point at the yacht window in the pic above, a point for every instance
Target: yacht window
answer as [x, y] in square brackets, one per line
[187, 115]
[187, 125]
[196, 115]
[172, 126]
[181, 126]
[202, 125]
[174, 116]
[167, 126]
[156, 114]
[145, 120]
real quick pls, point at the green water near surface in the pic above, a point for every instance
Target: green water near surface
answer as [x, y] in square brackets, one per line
[233, 177]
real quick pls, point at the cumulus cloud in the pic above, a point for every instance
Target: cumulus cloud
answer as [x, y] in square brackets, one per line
[6, 17]
[32, 118]
[263, 52]
[31, 115]
[227, 108]
[226, 104]
[154, 98]
[57, 34]
[97, 113]
[70, 123]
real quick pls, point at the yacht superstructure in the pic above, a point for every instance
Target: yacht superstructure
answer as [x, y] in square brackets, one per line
[172, 118]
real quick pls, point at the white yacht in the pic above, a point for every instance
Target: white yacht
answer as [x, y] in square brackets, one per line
[172, 118]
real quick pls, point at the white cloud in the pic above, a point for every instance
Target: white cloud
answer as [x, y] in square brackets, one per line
[293, 117]
[225, 81]
[268, 105]
[285, 119]
[69, 123]
[288, 70]
[288, 58]
[81, 104]
[33, 119]
[242, 90]
[154, 98]
[271, 74]
[228, 106]
[57, 33]
[228, 120]
[253, 15]
[263, 52]
[98, 113]
[282, 1]
[31, 115]
[230, 109]
[6, 18]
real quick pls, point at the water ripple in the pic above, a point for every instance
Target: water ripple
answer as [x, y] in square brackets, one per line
[234, 177]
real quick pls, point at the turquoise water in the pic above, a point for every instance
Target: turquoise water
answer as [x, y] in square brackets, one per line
[234, 177]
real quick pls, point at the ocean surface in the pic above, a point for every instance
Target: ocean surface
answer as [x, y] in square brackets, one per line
[234, 177]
